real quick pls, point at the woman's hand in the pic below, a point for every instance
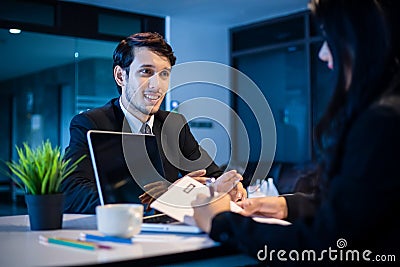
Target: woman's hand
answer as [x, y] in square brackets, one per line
[274, 207]
[205, 208]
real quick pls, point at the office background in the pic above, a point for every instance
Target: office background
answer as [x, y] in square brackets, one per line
[60, 65]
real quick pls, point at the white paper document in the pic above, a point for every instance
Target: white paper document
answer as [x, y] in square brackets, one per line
[176, 202]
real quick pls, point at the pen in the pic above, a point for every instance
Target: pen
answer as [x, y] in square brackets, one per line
[72, 243]
[210, 185]
[90, 237]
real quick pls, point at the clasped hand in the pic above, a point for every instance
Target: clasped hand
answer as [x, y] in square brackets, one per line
[229, 183]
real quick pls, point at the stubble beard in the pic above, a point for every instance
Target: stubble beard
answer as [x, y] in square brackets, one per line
[141, 108]
[145, 110]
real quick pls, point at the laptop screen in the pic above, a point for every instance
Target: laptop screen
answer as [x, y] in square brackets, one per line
[123, 163]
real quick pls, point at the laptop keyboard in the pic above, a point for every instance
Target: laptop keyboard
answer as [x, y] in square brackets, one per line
[158, 218]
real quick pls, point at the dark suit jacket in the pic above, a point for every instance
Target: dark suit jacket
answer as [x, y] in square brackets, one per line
[359, 207]
[80, 187]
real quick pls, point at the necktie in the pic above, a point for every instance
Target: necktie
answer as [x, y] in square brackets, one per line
[145, 129]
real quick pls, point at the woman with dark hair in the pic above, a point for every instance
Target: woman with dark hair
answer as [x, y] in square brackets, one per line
[359, 154]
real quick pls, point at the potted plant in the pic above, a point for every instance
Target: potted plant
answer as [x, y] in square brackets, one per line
[40, 171]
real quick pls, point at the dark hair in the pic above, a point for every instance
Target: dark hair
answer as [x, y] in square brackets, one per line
[392, 9]
[124, 52]
[359, 39]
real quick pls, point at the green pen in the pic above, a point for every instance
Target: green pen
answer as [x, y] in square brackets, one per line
[71, 243]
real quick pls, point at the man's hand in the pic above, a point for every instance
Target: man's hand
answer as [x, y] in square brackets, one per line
[198, 175]
[152, 192]
[156, 189]
[229, 182]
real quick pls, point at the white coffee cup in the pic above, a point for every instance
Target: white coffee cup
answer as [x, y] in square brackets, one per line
[122, 220]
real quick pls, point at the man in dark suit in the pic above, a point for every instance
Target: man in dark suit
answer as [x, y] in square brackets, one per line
[142, 67]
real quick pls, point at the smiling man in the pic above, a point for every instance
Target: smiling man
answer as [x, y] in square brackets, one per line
[142, 66]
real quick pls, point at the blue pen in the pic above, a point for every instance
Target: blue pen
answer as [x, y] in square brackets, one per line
[90, 237]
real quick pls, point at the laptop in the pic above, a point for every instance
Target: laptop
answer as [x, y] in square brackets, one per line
[122, 164]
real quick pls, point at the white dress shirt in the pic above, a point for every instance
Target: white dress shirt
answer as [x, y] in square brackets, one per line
[134, 123]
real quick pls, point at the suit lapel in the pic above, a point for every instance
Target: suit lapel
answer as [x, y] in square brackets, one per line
[170, 171]
[157, 132]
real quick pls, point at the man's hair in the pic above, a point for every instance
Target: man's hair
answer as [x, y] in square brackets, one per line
[124, 53]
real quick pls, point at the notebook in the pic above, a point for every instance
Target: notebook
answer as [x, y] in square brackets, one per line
[121, 163]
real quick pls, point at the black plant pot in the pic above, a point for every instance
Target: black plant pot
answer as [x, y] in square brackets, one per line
[45, 211]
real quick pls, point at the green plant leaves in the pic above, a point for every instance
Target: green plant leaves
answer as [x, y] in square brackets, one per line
[40, 170]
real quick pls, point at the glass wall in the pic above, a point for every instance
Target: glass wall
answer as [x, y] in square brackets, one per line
[59, 65]
[280, 56]
[48, 80]
[279, 74]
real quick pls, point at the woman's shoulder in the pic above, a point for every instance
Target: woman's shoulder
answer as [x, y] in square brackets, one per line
[372, 144]
[386, 109]
[381, 119]
[390, 103]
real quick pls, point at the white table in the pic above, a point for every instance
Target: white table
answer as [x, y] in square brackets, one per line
[19, 246]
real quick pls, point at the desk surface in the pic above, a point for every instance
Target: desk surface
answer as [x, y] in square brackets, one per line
[20, 246]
